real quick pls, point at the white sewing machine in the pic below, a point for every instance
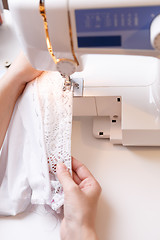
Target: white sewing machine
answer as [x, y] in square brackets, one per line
[110, 49]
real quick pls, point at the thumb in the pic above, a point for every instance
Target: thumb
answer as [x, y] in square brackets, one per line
[64, 177]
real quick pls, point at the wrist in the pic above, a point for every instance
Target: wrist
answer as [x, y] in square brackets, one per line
[14, 77]
[13, 85]
[89, 233]
[81, 233]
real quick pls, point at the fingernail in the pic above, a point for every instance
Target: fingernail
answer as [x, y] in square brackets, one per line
[61, 167]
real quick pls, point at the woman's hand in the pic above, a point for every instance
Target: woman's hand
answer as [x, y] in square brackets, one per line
[81, 196]
[21, 70]
[12, 85]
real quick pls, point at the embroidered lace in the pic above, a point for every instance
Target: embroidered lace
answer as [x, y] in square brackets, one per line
[56, 114]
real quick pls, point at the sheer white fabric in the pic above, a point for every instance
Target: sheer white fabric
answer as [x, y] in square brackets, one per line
[38, 137]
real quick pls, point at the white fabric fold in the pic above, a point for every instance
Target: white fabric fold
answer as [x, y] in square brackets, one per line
[39, 136]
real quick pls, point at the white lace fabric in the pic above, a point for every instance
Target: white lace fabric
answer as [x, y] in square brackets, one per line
[39, 136]
[56, 112]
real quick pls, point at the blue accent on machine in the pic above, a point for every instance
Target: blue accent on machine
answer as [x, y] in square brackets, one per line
[124, 27]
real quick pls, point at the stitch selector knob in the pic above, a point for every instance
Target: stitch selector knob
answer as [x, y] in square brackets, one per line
[155, 33]
[66, 66]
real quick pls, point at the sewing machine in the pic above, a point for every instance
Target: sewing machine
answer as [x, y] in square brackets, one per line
[110, 51]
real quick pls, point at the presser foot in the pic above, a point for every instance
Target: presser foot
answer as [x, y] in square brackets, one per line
[75, 84]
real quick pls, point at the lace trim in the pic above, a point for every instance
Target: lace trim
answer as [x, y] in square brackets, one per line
[56, 115]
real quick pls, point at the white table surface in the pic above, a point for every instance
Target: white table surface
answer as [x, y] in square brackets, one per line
[129, 207]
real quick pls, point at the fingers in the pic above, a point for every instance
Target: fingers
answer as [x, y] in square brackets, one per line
[85, 179]
[64, 177]
[81, 177]
[81, 170]
[76, 179]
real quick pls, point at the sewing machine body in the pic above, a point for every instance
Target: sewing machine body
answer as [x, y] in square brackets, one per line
[121, 92]
[101, 27]
[128, 112]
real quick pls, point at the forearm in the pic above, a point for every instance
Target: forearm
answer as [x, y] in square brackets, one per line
[10, 90]
[78, 232]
